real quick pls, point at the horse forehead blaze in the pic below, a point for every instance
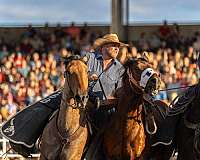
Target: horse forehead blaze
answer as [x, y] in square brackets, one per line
[79, 69]
[77, 66]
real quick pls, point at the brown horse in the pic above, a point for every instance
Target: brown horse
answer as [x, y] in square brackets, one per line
[127, 136]
[65, 135]
[188, 131]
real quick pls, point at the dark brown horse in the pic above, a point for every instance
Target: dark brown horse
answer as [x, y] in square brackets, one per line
[127, 136]
[188, 131]
[65, 135]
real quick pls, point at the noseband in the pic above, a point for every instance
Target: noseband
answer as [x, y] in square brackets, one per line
[145, 76]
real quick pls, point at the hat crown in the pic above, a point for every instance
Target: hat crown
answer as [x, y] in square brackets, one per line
[106, 39]
[111, 37]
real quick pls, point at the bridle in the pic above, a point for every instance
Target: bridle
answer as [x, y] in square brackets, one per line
[147, 98]
[133, 83]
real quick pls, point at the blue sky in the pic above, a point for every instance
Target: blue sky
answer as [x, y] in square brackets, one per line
[96, 11]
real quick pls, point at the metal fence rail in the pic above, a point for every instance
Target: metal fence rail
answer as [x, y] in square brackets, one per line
[5, 147]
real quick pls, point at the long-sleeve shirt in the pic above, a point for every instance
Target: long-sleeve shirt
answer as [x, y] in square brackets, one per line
[110, 78]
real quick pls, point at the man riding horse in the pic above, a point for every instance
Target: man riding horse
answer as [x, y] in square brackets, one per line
[105, 76]
[166, 134]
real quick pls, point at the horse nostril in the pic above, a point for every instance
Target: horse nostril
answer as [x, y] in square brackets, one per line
[85, 97]
[154, 81]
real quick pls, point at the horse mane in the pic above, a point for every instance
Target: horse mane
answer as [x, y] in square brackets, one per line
[127, 65]
[66, 60]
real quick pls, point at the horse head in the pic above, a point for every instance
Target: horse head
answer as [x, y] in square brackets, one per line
[76, 79]
[142, 78]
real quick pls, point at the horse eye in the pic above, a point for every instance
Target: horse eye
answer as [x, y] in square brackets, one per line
[78, 98]
[66, 73]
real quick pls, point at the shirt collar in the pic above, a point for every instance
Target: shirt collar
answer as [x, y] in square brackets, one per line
[98, 55]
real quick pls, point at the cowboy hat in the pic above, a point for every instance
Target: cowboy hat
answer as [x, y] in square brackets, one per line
[106, 39]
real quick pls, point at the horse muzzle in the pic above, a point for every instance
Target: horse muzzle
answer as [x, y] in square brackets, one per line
[153, 86]
[81, 100]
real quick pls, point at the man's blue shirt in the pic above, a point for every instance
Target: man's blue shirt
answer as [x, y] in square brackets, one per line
[110, 78]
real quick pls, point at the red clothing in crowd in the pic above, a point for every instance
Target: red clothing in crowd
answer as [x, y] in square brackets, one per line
[73, 31]
[164, 31]
[18, 60]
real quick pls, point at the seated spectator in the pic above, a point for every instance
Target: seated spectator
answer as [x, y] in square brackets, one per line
[3, 52]
[29, 70]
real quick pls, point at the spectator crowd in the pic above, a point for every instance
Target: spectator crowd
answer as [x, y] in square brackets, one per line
[29, 70]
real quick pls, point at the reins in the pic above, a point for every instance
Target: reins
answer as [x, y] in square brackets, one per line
[168, 89]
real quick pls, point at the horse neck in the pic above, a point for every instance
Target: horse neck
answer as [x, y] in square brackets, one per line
[130, 100]
[69, 117]
[129, 115]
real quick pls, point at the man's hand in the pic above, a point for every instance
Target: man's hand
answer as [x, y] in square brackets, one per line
[111, 97]
[110, 101]
[93, 77]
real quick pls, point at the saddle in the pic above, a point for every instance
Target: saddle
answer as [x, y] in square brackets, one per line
[94, 150]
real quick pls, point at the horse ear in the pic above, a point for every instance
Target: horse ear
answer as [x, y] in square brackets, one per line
[85, 59]
[146, 56]
[65, 60]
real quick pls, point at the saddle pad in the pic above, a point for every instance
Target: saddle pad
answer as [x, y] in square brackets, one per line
[27, 125]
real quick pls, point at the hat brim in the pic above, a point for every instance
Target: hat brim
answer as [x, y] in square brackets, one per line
[99, 42]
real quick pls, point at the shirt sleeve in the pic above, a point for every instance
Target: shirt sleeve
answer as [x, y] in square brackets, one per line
[119, 82]
[90, 62]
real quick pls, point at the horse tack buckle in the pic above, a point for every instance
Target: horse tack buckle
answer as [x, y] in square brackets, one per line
[66, 141]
